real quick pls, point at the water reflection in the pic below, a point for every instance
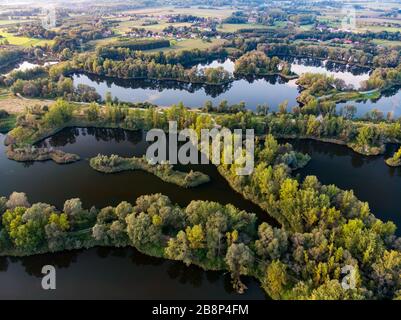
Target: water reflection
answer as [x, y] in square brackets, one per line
[389, 102]
[115, 273]
[253, 91]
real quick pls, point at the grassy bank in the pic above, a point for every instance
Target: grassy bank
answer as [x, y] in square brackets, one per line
[7, 124]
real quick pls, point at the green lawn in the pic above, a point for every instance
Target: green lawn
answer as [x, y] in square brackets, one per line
[22, 41]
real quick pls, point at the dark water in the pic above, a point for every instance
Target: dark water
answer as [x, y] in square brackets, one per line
[110, 273]
[370, 178]
[270, 90]
[253, 92]
[125, 273]
[78, 180]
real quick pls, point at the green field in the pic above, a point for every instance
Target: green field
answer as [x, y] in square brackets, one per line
[387, 43]
[125, 26]
[186, 44]
[102, 42]
[378, 29]
[189, 44]
[12, 22]
[23, 41]
[231, 27]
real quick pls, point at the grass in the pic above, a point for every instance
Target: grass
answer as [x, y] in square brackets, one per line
[11, 22]
[23, 41]
[387, 43]
[231, 27]
[377, 29]
[125, 26]
[8, 123]
[189, 44]
[102, 42]
[306, 27]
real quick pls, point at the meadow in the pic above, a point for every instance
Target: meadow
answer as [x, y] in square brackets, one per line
[22, 41]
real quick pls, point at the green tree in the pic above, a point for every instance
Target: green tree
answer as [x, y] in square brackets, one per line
[276, 279]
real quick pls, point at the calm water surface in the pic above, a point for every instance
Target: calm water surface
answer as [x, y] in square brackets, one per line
[268, 90]
[140, 276]
[350, 74]
[109, 272]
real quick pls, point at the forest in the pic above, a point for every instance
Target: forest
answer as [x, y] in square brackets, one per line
[322, 229]
[283, 230]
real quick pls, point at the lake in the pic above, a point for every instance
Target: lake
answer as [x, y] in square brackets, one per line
[271, 90]
[92, 273]
[268, 90]
[352, 75]
[370, 178]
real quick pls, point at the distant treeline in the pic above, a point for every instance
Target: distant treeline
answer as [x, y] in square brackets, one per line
[141, 44]
[184, 57]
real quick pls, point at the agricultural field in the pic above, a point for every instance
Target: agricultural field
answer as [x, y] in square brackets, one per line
[22, 41]
[7, 22]
[102, 42]
[125, 26]
[189, 44]
[387, 43]
[229, 27]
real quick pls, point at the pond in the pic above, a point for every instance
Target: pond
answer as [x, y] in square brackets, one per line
[92, 273]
